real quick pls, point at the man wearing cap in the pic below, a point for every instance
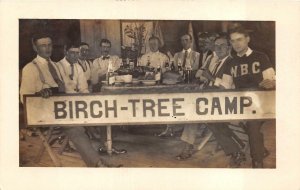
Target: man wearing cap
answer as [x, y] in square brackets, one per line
[249, 69]
[100, 65]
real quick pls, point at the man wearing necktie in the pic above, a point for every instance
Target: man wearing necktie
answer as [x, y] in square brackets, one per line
[222, 133]
[41, 76]
[100, 65]
[187, 57]
[84, 62]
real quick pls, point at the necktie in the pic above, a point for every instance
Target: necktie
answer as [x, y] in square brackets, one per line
[201, 60]
[54, 75]
[184, 59]
[72, 71]
[216, 68]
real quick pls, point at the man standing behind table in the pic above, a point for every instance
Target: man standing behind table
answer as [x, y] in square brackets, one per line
[249, 69]
[75, 82]
[154, 58]
[100, 65]
[84, 62]
[187, 57]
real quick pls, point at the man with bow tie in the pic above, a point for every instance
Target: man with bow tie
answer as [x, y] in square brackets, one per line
[100, 65]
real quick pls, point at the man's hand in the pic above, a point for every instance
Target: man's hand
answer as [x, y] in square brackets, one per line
[45, 93]
[208, 75]
[267, 84]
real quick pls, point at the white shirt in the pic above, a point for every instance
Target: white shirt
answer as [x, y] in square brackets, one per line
[32, 78]
[156, 59]
[86, 68]
[100, 67]
[79, 82]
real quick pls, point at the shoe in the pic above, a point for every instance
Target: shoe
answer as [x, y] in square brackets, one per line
[103, 150]
[168, 132]
[186, 153]
[236, 159]
[257, 164]
[118, 151]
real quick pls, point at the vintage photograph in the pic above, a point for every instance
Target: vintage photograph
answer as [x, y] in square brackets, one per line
[147, 93]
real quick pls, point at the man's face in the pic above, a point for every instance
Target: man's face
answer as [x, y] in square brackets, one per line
[239, 42]
[84, 52]
[203, 44]
[186, 42]
[43, 47]
[72, 55]
[105, 49]
[221, 48]
[154, 44]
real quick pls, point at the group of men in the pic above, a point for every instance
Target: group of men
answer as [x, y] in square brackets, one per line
[224, 61]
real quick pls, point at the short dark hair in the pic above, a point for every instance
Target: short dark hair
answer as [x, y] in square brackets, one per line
[39, 35]
[203, 35]
[191, 38]
[225, 36]
[70, 45]
[240, 30]
[105, 41]
[83, 44]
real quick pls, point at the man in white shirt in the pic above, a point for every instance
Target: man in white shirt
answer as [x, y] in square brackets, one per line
[187, 57]
[71, 72]
[41, 75]
[154, 58]
[84, 62]
[100, 65]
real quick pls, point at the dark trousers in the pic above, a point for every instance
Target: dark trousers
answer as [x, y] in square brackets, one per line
[83, 145]
[223, 135]
[256, 140]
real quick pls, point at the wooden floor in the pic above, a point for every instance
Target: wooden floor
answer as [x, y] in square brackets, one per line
[146, 150]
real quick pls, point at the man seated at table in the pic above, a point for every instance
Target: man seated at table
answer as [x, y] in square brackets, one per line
[221, 131]
[154, 58]
[186, 57]
[206, 45]
[85, 63]
[100, 65]
[42, 77]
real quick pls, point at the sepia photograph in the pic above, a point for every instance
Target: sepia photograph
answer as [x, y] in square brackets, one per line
[147, 93]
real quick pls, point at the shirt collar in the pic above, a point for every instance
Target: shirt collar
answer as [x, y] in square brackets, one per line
[41, 59]
[223, 60]
[248, 52]
[189, 50]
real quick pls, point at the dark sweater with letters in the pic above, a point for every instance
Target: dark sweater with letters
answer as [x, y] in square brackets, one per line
[247, 70]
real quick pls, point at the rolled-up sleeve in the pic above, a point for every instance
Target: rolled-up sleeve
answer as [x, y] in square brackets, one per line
[28, 81]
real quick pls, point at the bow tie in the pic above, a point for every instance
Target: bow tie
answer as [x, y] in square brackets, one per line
[105, 57]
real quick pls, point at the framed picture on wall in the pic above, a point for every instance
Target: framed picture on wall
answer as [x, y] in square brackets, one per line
[135, 35]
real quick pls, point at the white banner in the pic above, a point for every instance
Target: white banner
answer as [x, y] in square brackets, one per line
[126, 109]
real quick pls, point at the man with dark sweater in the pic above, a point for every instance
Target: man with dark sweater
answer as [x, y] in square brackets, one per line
[249, 69]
